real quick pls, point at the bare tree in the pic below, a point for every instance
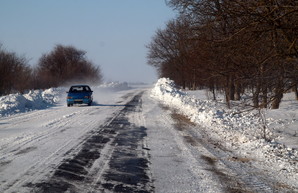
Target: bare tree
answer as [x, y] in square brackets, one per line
[174, 52]
[63, 64]
[252, 45]
[15, 73]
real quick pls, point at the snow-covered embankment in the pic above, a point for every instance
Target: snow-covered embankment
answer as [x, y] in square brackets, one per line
[34, 99]
[237, 131]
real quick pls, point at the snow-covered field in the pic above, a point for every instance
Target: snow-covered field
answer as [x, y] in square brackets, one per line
[37, 130]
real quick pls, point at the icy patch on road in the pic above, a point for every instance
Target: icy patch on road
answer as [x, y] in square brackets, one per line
[237, 131]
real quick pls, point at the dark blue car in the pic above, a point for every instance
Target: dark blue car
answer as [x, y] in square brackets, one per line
[79, 94]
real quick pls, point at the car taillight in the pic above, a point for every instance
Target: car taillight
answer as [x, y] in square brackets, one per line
[87, 97]
[69, 97]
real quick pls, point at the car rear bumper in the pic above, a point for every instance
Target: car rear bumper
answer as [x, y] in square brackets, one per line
[78, 101]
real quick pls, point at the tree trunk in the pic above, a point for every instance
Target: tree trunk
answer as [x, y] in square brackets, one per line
[295, 90]
[227, 92]
[256, 95]
[213, 93]
[278, 93]
[277, 98]
[237, 91]
[264, 98]
[231, 88]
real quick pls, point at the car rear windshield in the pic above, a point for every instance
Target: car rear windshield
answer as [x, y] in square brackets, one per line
[79, 89]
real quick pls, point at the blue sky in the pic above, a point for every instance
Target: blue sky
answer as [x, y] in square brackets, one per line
[112, 32]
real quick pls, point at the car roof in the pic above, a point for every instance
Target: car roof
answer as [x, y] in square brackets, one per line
[79, 85]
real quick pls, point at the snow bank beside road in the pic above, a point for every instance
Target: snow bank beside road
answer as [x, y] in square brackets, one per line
[239, 132]
[41, 99]
[209, 113]
[35, 99]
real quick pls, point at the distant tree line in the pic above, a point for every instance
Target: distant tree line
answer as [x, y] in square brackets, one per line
[65, 64]
[231, 46]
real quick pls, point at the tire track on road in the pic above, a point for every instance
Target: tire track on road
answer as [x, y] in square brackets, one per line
[38, 168]
[111, 158]
[236, 174]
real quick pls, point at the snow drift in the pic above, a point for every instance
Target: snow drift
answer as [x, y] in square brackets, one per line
[41, 99]
[34, 99]
[237, 131]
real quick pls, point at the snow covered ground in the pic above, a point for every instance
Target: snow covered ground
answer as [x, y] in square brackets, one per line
[242, 132]
[42, 99]
[37, 99]
[37, 131]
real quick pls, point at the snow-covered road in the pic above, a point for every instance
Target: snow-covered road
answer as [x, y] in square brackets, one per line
[126, 142]
[185, 159]
[34, 144]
